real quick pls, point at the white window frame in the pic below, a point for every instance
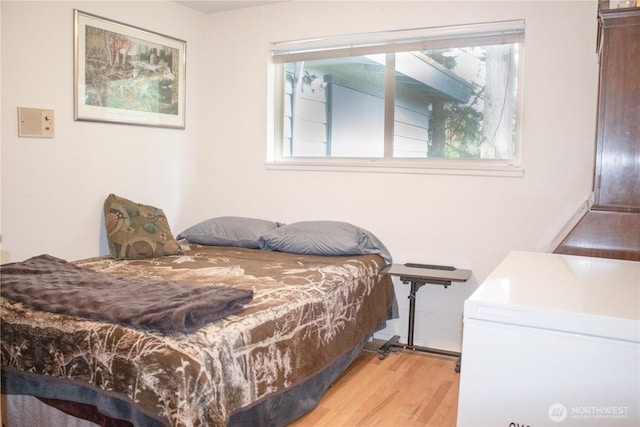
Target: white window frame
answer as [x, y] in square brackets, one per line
[389, 41]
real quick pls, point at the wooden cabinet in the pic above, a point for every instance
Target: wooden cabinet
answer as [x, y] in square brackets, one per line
[617, 170]
[611, 229]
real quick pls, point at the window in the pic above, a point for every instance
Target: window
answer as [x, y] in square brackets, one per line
[430, 94]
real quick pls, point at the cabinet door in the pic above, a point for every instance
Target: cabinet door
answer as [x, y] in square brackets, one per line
[617, 172]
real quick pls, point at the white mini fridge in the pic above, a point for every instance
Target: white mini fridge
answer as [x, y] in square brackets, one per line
[552, 340]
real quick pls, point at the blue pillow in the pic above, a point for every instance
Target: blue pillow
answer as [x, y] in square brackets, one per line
[228, 231]
[323, 238]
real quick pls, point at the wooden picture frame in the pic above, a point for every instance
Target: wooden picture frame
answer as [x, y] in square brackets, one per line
[124, 74]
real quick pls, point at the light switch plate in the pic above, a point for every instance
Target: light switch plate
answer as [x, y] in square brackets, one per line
[36, 122]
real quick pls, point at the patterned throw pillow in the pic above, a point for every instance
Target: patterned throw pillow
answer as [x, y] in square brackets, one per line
[136, 231]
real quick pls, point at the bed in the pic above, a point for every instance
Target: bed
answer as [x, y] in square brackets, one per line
[266, 363]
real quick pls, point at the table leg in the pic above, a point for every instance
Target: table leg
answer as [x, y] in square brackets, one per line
[412, 312]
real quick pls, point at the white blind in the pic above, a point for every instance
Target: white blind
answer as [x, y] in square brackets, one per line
[489, 33]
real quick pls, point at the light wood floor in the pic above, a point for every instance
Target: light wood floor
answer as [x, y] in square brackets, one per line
[407, 388]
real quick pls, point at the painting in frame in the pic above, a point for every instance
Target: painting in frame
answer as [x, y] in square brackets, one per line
[124, 74]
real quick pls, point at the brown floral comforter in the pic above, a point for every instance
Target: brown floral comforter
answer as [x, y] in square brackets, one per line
[307, 312]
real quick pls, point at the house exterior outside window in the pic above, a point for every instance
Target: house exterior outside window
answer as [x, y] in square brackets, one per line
[419, 98]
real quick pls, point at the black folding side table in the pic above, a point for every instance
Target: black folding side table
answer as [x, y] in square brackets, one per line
[418, 275]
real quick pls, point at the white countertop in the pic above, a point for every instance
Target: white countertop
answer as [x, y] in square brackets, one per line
[595, 296]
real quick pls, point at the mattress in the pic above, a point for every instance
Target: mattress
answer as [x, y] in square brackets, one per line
[267, 364]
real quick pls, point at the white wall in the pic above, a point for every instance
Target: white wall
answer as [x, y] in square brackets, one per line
[216, 166]
[53, 189]
[469, 222]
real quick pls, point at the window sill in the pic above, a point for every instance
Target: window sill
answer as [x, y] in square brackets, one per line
[433, 167]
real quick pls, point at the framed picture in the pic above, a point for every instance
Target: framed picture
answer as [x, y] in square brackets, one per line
[124, 74]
